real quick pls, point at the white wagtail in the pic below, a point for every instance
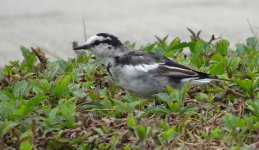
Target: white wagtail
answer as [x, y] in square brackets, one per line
[140, 72]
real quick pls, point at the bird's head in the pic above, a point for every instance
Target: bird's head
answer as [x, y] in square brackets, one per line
[103, 45]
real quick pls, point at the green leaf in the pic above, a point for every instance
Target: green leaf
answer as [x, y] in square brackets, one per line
[131, 121]
[79, 93]
[130, 98]
[197, 60]
[6, 127]
[26, 135]
[164, 97]
[33, 102]
[174, 42]
[99, 131]
[41, 86]
[181, 124]
[177, 44]
[27, 107]
[142, 132]
[217, 57]
[26, 145]
[52, 70]
[180, 46]
[164, 124]
[245, 84]
[158, 50]
[251, 42]
[20, 88]
[170, 134]
[204, 134]
[240, 123]
[80, 140]
[189, 108]
[4, 97]
[114, 142]
[129, 44]
[67, 108]
[125, 107]
[174, 106]
[93, 95]
[250, 123]
[160, 110]
[63, 65]
[29, 57]
[253, 105]
[179, 95]
[198, 48]
[241, 48]
[216, 133]
[149, 47]
[222, 46]
[229, 121]
[234, 63]
[219, 68]
[61, 85]
[7, 109]
[53, 115]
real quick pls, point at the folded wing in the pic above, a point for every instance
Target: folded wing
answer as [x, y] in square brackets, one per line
[155, 63]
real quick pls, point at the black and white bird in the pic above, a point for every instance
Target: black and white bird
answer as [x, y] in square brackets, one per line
[140, 72]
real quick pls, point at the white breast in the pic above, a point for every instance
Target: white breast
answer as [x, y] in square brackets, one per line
[137, 80]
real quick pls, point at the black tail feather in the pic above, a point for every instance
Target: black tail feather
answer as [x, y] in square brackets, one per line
[206, 75]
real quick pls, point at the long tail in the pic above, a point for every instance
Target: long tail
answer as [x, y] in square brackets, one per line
[203, 78]
[215, 78]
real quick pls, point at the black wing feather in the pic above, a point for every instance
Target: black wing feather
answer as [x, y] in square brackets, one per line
[166, 66]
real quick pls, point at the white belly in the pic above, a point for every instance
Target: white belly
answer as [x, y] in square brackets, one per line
[138, 80]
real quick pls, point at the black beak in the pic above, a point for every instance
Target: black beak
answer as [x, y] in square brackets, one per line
[86, 46]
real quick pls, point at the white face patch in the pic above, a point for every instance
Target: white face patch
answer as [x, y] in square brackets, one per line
[103, 50]
[94, 38]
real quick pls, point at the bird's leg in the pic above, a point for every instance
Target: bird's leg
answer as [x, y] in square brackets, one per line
[157, 102]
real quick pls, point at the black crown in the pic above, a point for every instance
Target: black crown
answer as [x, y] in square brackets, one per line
[114, 41]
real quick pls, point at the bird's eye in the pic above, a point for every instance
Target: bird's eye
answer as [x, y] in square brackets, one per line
[117, 59]
[109, 47]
